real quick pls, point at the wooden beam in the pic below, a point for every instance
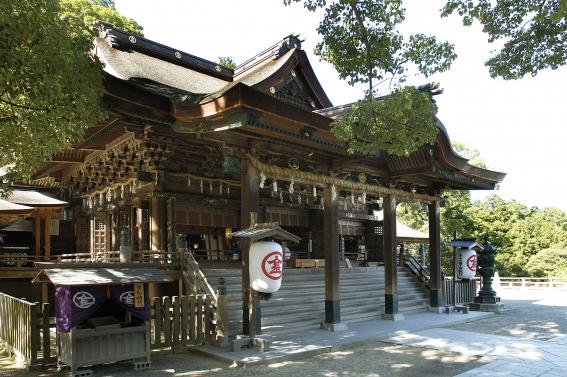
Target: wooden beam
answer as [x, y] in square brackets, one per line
[390, 261]
[37, 222]
[47, 235]
[157, 223]
[249, 213]
[435, 283]
[332, 320]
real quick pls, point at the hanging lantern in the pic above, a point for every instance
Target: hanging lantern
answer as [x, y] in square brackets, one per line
[314, 192]
[299, 198]
[266, 266]
[352, 198]
[210, 186]
[363, 198]
[201, 186]
[465, 263]
[188, 182]
[275, 185]
[281, 197]
[333, 193]
[291, 189]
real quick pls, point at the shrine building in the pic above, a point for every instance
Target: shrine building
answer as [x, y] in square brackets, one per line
[192, 152]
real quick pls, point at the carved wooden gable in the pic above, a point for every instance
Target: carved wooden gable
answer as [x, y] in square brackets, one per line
[294, 90]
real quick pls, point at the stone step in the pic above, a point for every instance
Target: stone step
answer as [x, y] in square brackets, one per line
[299, 304]
[353, 298]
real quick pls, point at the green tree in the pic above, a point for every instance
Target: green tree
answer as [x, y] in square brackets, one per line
[362, 41]
[227, 61]
[533, 33]
[50, 85]
[551, 262]
[471, 154]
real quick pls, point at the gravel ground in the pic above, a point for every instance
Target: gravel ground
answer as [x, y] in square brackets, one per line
[529, 314]
[378, 359]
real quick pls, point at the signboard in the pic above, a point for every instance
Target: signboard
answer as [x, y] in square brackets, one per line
[138, 295]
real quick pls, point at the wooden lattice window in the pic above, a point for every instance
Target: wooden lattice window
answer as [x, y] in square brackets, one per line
[99, 237]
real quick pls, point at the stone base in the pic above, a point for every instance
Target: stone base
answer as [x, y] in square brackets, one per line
[437, 309]
[393, 317]
[494, 308]
[333, 327]
[245, 341]
[458, 308]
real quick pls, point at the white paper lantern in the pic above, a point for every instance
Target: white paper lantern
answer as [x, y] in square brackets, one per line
[266, 266]
[465, 263]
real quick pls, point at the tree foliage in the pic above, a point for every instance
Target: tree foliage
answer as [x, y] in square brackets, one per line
[50, 85]
[227, 61]
[362, 41]
[525, 237]
[533, 33]
[551, 262]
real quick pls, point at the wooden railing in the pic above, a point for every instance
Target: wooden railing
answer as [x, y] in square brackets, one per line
[137, 256]
[416, 268]
[459, 292]
[535, 283]
[181, 321]
[22, 261]
[24, 329]
[194, 276]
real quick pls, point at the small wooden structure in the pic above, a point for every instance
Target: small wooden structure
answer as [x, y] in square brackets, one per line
[88, 301]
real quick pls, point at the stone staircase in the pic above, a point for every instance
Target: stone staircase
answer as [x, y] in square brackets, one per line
[299, 304]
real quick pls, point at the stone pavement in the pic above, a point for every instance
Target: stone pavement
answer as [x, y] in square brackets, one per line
[523, 352]
[316, 341]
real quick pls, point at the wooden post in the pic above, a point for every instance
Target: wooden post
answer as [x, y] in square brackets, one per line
[46, 335]
[37, 235]
[250, 208]
[157, 224]
[390, 261]
[332, 320]
[177, 346]
[436, 292]
[47, 235]
[167, 321]
[158, 321]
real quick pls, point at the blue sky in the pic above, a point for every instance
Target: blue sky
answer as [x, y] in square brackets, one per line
[518, 126]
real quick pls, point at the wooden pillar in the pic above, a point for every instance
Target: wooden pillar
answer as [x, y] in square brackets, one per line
[332, 320]
[47, 235]
[249, 213]
[435, 284]
[157, 224]
[37, 222]
[390, 261]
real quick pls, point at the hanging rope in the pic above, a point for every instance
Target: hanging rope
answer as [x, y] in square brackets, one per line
[314, 178]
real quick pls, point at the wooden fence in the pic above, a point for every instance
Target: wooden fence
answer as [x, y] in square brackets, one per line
[459, 292]
[24, 329]
[181, 321]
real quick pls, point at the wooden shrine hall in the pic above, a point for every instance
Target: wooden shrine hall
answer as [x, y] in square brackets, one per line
[192, 151]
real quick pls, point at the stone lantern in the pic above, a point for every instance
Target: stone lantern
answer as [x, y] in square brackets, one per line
[486, 299]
